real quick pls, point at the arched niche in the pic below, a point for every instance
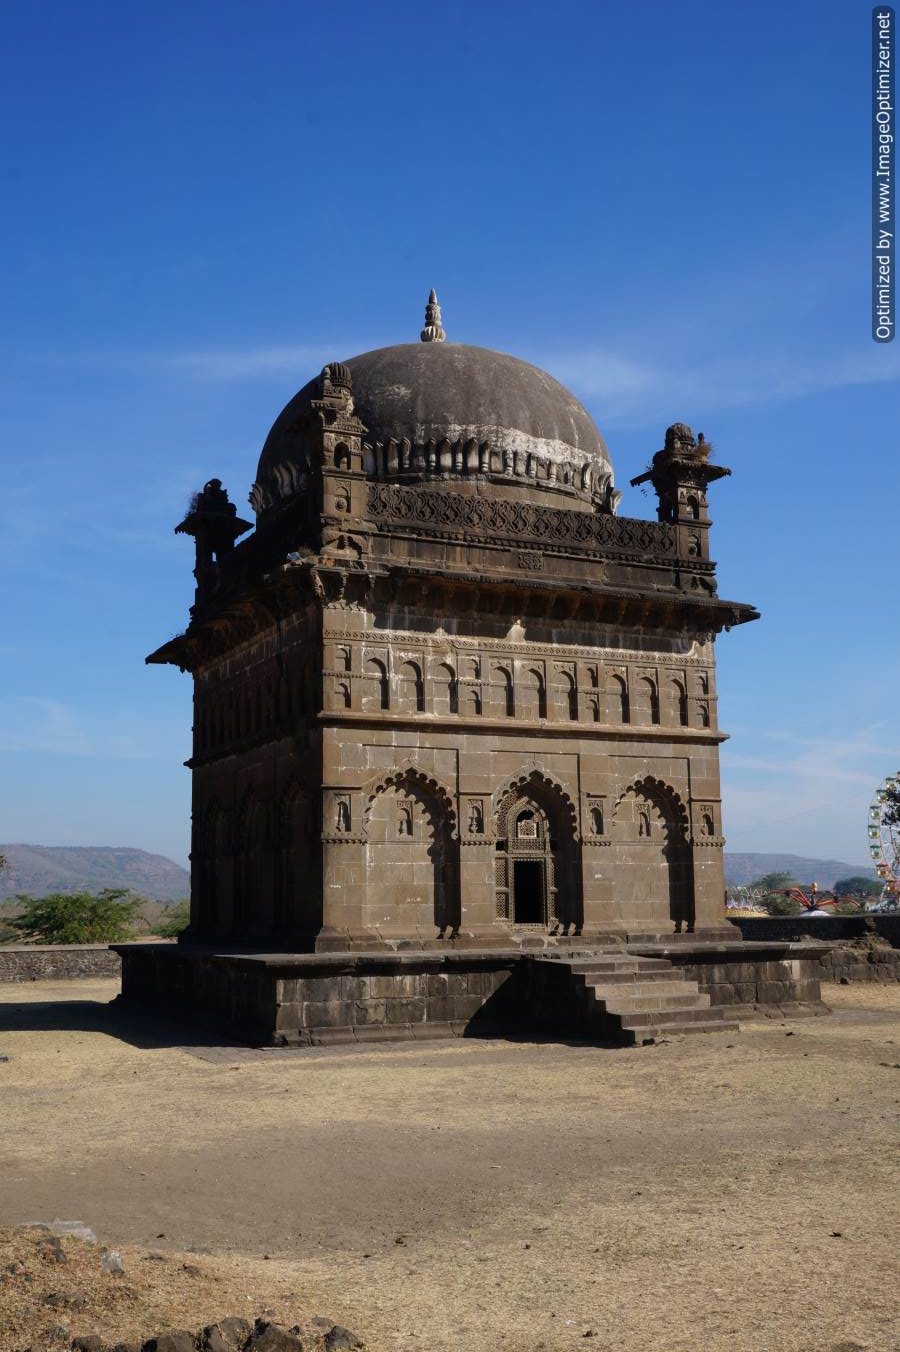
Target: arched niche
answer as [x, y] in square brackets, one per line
[652, 858]
[412, 865]
[410, 688]
[445, 689]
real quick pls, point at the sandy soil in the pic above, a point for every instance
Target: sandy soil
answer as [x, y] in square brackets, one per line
[711, 1192]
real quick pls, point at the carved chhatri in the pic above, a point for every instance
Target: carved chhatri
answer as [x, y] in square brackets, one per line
[443, 694]
[432, 332]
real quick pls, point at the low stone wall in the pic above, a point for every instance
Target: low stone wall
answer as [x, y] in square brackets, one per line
[850, 947]
[57, 962]
[775, 980]
[860, 963]
[829, 928]
[308, 999]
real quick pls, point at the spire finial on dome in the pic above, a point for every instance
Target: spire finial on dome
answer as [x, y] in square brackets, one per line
[432, 332]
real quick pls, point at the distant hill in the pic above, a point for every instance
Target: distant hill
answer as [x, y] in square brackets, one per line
[35, 870]
[741, 869]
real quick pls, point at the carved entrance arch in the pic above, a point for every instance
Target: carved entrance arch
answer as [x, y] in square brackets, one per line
[537, 879]
[653, 860]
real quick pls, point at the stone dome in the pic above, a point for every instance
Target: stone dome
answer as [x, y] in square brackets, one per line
[446, 411]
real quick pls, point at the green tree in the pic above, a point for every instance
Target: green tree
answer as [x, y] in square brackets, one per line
[77, 917]
[858, 886]
[774, 882]
[891, 816]
[776, 903]
[848, 907]
[174, 920]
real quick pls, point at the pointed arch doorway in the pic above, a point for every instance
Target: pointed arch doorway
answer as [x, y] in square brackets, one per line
[536, 873]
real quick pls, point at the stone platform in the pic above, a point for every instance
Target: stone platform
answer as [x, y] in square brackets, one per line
[615, 995]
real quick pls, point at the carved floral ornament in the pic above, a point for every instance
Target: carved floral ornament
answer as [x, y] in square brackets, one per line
[517, 785]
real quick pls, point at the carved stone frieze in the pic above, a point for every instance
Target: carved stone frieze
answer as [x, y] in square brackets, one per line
[465, 645]
[502, 521]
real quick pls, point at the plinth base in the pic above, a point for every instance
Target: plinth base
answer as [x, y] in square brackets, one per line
[279, 999]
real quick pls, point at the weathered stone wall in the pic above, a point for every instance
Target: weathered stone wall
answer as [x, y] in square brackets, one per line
[326, 998]
[57, 962]
[778, 983]
[282, 999]
[864, 963]
[416, 1002]
[834, 928]
[854, 947]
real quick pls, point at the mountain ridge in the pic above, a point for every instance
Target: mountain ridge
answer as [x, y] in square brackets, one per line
[35, 870]
[745, 867]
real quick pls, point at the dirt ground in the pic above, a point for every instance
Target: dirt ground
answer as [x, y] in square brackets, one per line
[729, 1191]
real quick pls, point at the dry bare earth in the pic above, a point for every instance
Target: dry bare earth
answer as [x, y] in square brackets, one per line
[714, 1192]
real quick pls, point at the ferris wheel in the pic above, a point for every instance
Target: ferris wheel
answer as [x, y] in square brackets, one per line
[884, 837]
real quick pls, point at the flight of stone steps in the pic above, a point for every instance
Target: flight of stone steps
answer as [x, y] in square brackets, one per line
[627, 999]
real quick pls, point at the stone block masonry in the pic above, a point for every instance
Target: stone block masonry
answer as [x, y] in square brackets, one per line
[57, 962]
[312, 999]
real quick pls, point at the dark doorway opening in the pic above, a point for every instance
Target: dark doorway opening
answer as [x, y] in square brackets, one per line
[528, 892]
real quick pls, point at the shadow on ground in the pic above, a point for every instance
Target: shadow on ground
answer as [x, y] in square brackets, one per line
[146, 1030]
[135, 1027]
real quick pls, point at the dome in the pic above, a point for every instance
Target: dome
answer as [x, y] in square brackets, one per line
[447, 411]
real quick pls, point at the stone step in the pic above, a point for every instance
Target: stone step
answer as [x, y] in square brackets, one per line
[647, 1018]
[636, 1004]
[653, 988]
[659, 1030]
[625, 966]
[639, 998]
[653, 976]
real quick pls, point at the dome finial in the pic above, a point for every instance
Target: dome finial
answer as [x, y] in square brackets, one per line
[432, 332]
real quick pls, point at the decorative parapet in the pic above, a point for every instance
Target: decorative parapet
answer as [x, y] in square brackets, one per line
[439, 513]
[572, 474]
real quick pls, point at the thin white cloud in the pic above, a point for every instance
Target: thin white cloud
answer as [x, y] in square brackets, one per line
[627, 389]
[805, 795]
[37, 724]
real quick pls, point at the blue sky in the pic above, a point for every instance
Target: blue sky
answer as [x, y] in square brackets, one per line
[664, 205]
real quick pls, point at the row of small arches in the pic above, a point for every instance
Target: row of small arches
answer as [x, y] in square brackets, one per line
[525, 695]
[387, 459]
[250, 706]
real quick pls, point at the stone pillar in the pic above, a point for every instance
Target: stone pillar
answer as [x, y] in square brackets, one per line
[476, 864]
[707, 844]
[600, 911]
[343, 870]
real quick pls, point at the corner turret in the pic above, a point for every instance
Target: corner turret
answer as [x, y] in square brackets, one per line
[215, 525]
[681, 473]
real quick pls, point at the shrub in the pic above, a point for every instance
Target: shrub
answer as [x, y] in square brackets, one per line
[776, 903]
[77, 917]
[174, 920]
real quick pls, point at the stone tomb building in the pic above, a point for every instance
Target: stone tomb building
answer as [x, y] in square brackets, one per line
[445, 698]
